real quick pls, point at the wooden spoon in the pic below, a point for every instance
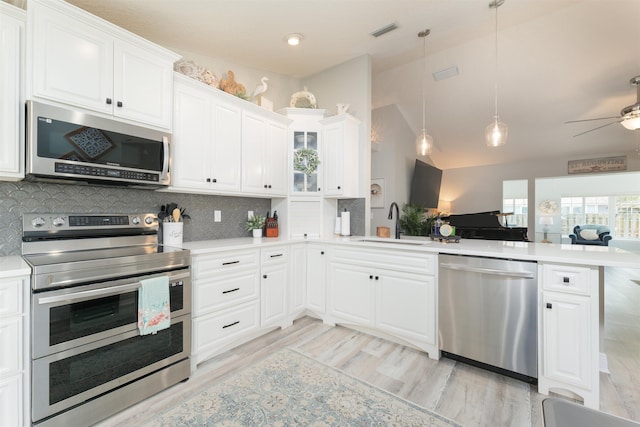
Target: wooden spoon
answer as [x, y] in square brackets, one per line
[176, 215]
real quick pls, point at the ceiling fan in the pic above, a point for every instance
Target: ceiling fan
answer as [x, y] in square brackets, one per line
[629, 116]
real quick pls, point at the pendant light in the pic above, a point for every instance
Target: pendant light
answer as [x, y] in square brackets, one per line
[424, 142]
[496, 133]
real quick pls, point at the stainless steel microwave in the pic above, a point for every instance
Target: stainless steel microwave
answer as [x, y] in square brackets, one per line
[78, 146]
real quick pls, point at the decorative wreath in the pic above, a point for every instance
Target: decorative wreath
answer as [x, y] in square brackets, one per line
[305, 160]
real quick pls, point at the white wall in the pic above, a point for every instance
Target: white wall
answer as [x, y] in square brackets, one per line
[349, 83]
[279, 87]
[394, 161]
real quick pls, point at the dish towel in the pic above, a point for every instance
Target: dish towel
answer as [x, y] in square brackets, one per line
[154, 311]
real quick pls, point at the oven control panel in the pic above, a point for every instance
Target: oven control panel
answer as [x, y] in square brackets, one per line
[87, 222]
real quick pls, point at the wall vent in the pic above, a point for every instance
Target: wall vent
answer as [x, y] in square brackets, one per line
[384, 30]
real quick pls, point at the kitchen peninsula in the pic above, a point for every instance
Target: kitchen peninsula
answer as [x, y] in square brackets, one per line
[388, 287]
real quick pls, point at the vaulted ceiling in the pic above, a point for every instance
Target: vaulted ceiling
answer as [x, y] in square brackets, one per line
[558, 60]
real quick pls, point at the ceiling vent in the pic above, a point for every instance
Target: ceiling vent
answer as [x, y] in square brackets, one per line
[384, 30]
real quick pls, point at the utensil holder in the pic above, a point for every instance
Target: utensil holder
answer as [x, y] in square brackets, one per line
[172, 233]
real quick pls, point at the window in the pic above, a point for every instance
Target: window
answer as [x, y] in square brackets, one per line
[620, 213]
[519, 207]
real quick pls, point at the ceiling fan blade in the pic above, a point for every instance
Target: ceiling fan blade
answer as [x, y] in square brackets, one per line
[599, 127]
[590, 120]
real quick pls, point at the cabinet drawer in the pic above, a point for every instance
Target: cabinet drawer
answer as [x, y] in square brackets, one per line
[394, 260]
[10, 346]
[11, 296]
[11, 401]
[275, 255]
[215, 292]
[214, 331]
[204, 265]
[566, 278]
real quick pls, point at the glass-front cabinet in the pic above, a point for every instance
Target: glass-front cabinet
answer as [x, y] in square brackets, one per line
[305, 151]
[306, 162]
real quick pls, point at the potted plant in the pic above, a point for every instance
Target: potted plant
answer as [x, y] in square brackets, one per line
[255, 224]
[414, 222]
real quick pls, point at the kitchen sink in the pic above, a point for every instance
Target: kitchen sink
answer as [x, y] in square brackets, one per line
[394, 241]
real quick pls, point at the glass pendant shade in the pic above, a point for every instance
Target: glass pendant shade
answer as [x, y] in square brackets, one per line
[632, 123]
[496, 133]
[424, 143]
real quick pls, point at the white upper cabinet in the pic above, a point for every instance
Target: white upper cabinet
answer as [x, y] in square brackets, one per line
[206, 139]
[78, 59]
[340, 139]
[12, 43]
[263, 155]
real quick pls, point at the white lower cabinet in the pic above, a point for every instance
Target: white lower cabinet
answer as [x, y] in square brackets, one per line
[351, 292]
[316, 280]
[391, 292]
[400, 306]
[568, 345]
[226, 301]
[274, 287]
[14, 351]
[298, 279]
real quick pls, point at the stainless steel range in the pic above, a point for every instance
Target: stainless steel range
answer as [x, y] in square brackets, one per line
[89, 360]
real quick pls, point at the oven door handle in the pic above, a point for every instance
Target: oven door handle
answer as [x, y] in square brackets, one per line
[84, 295]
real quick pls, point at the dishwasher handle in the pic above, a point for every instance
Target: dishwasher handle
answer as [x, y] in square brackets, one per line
[484, 270]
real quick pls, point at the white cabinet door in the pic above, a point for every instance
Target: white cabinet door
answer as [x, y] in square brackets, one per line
[340, 145]
[351, 293]
[263, 155]
[11, 401]
[298, 282]
[226, 145]
[405, 305]
[253, 137]
[142, 88]
[206, 140]
[273, 294]
[80, 60]
[567, 339]
[316, 278]
[12, 38]
[191, 136]
[276, 158]
[72, 62]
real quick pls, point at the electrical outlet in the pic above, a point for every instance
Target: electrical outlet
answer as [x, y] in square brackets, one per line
[249, 214]
[217, 216]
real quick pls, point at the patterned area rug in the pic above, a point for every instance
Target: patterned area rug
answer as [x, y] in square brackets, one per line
[291, 389]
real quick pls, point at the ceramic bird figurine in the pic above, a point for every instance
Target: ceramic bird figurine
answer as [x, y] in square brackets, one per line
[260, 88]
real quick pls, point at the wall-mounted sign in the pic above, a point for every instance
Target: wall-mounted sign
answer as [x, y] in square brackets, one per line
[606, 164]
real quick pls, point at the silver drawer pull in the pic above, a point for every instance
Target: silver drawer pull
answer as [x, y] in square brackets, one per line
[230, 290]
[231, 262]
[231, 324]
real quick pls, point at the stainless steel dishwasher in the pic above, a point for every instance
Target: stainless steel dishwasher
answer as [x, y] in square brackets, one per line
[488, 313]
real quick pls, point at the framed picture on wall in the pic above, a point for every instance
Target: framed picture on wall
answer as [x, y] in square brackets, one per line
[377, 193]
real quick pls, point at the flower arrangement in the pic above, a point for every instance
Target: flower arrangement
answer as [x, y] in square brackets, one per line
[256, 222]
[172, 213]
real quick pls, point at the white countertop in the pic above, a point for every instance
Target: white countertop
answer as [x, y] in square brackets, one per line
[11, 266]
[529, 251]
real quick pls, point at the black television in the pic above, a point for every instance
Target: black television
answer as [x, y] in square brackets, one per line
[425, 185]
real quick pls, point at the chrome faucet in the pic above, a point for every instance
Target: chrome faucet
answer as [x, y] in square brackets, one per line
[397, 218]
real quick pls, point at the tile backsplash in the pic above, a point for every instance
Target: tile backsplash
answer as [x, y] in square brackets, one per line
[17, 198]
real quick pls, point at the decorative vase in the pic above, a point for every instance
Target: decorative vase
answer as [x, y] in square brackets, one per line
[257, 232]
[172, 233]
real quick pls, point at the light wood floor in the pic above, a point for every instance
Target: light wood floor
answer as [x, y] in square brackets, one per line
[468, 395]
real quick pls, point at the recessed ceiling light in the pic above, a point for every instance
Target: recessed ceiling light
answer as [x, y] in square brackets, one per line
[293, 39]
